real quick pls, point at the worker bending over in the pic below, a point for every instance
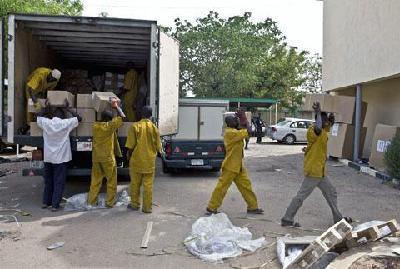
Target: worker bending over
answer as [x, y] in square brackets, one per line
[233, 169]
[57, 151]
[315, 157]
[105, 148]
[143, 143]
[38, 83]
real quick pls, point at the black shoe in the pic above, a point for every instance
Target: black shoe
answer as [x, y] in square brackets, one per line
[348, 219]
[132, 208]
[288, 223]
[55, 209]
[45, 206]
[147, 212]
[257, 211]
[211, 212]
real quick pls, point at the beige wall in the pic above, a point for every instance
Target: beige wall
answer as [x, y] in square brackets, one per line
[361, 41]
[383, 98]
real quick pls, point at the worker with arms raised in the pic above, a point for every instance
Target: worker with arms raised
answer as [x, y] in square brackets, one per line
[143, 143]
[233, 169]
[38, 83]
[129, 92]
[315, 157]
[105, 148]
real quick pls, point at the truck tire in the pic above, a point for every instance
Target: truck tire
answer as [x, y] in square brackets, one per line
[289, 139]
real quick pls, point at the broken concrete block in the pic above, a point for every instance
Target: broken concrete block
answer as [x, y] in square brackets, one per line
[328, 240]
[371, 231]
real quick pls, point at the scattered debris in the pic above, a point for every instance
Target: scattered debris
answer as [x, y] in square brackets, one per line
[6, 218]
[337, 165]
[321, 245]
[78, 202]
[215, 238]
[289, 248]
[21, 212]
[13, 159]
[371, 231]
[56, 245]
[146, 236]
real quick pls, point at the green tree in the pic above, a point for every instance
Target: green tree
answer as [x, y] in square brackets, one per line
[236, 57]
[51, 7]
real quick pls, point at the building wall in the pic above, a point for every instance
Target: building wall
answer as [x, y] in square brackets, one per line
[383, 98]
[361, 41]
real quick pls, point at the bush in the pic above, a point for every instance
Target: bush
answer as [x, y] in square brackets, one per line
[392, 158]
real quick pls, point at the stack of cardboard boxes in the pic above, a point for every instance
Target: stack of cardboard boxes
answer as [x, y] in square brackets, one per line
[87, 106]
[341, 136]
[383, 136]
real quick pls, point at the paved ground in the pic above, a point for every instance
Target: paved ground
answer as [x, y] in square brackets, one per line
[111, 238]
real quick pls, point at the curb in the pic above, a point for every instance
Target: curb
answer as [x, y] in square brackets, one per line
[372, 172]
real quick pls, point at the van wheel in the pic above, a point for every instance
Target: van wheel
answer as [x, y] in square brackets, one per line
[289, 139]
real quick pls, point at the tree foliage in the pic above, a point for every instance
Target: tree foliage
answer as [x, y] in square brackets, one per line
[236, 57]
[51, 7]
[392, 157]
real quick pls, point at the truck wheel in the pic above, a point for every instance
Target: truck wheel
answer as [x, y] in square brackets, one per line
[289, 139]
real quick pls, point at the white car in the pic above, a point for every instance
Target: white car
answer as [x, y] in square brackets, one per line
[290, 131]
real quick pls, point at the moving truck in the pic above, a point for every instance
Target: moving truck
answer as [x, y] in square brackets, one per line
[199, 142]
[97, 46]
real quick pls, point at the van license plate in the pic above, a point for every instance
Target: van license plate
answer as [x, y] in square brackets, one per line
[84, 146]
[197, 162]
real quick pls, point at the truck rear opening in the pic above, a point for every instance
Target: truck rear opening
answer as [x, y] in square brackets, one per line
[96, 46]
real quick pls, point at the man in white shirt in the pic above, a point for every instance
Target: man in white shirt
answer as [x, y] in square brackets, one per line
[57, 152]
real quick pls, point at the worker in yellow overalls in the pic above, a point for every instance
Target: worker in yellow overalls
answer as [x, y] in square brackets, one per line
[130, 92]
[233, 169]
[105, 148]
[38, 83]
[315, 156]
[143, 143]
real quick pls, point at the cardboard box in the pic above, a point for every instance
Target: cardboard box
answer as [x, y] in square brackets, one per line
[383, 136]
[101, 100]
[31, 108]
[124, 129]
[87, 114]
[345, 111]
[84, 101]
[326, 101]
[57, 98]
[35, 130]
[84, 129]
[341, 141]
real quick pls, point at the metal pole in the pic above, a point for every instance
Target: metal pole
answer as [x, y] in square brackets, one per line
[17, 150]
[270, 116]
[276, 113]
[357, 131]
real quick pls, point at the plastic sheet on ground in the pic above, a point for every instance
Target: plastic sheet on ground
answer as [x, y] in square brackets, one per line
[215, 238]
[78, 202]
[292, 253]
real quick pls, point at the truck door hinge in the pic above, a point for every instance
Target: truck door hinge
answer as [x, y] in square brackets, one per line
[10, 37]
[155, 45]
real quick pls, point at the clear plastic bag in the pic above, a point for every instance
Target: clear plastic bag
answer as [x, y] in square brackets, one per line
[78, 202]
[215, 238]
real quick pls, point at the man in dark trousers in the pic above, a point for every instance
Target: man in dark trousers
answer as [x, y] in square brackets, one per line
[57, 151]
[315, 157]
[259, 124]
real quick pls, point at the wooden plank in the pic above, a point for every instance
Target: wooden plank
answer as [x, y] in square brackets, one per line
[55, 33]
[146, 236]
[93, 40]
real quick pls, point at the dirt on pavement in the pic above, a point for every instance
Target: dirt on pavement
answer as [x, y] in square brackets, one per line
[112, 238]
